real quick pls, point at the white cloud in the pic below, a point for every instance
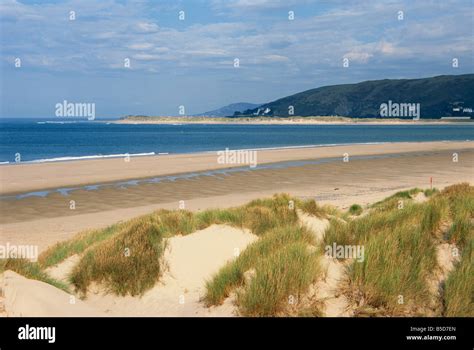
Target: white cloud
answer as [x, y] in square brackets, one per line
[106, 32]
[146, 27]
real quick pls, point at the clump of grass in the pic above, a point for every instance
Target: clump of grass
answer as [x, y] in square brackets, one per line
[30, 270]
[169, 223]
[397, 262]
[430, 191]
[311, 310]
[76, 245]
[176, 222]
[357, 231]
[312, 208]
[392, 201]
[355, 209]
[461, 200]
[270, 256]
[128, 263]
[461, 229]
[459, 287]
[400, 252]
[435, 212]
[457, 190]
[259, 216]
[262, 215]
[284, 275]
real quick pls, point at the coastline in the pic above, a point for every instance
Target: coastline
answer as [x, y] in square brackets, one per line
[32, 176]
[46, 220]
[284, 121]
[194, 258]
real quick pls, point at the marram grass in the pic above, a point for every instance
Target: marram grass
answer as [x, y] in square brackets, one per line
[399, 244]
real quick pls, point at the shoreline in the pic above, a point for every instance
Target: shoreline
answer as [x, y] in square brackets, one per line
[69, 159]
[46, 221]
[286, 121]
[29, 177]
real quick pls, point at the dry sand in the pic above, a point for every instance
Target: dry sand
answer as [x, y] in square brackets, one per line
[24, 297]
[191, 260]
[194, 258]
[287, 121]
[44, 221]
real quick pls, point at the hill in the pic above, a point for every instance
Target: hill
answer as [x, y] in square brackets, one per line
[228, 110]
[437, 97]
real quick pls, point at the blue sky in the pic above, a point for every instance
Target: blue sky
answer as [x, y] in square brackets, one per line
[191, 62]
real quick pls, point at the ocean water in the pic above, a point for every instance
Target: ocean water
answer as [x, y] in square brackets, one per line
[40, 140]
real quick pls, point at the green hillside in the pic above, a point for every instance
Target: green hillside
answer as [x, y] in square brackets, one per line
[435, 97]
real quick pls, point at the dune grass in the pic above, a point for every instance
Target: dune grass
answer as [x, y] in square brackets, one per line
[399, 245]
[393, 201]
[397, 263]
[459, 287]
[63, 250]
[258, 216]
[400, 251]
[283, 276]
[31, 270]
[130, 263]
[357, 231]
[355, 209]
[102, 251]
[310, 207]
[400, 248]
[461, 202]
[283, 264]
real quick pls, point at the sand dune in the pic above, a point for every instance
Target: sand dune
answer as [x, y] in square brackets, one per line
[190, 261]
[24, 297]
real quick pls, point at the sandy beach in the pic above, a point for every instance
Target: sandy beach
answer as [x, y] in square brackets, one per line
[372, 173]
[27, 177]
[285, 121]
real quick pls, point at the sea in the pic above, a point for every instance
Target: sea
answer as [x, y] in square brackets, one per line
[54, 139]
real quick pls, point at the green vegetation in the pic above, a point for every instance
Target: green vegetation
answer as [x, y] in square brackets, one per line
[459, 287]
[30, 270]
[130, 263]
[400, 249]
[363, 100]
[397, 263]
[283, 266]
[312, 208]
[77, 245]
[103, 252]
[396, 199]
[355, 209]
[272, 276]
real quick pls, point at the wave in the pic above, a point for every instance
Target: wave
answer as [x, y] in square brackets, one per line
[303, 146]
[62, 122]
[99, 156]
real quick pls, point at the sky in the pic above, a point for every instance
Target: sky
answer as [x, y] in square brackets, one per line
[151, 57]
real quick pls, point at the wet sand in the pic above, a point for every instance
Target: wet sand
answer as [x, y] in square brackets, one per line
[362, 180]
[25, 177]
